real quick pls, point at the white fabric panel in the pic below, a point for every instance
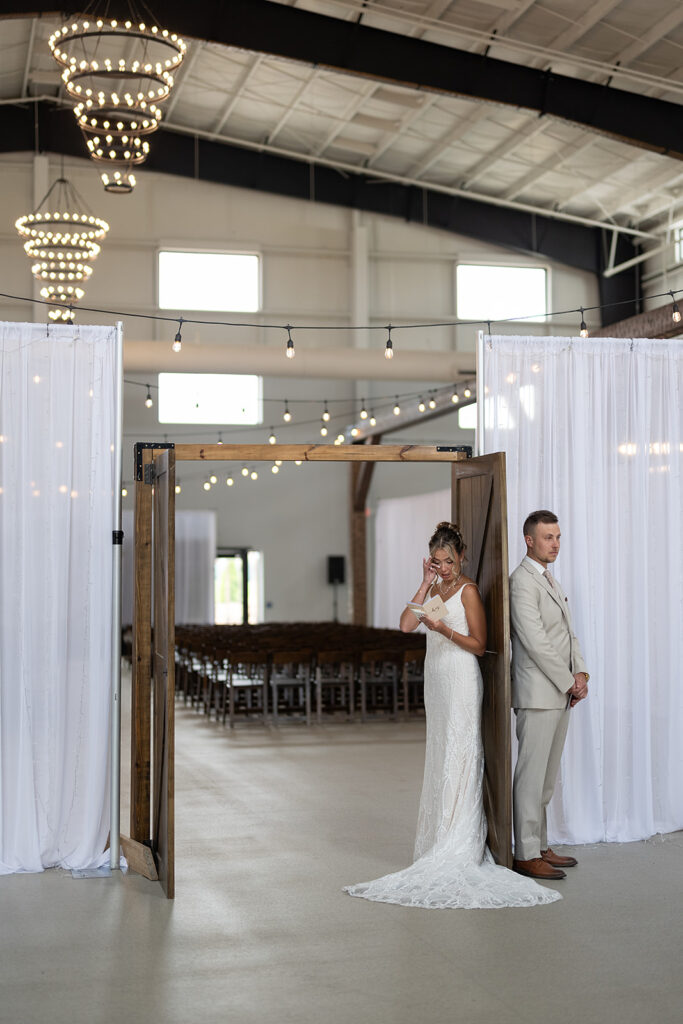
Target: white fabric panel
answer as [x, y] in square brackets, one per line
[403, 527]
[57, 422]
[195, 551]
[592, 430]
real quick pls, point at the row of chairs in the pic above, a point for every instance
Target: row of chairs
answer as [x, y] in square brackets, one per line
[254, 673]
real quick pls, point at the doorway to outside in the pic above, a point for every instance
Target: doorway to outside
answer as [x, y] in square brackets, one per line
[238, 587]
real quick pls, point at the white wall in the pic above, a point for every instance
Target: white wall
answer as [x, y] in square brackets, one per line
[300, 516]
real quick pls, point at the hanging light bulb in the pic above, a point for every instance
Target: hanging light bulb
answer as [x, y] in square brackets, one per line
[207, 485]
[583, 330]
[323, 431]
[278, 462]
[363, 410]
[253, 475]
[287, 416]
[220, 438]
[298, 462]
[420, 405]
[244, 471]
[213, 478]
[432, 402]
[148, 400]
[326, 415]
[271, 437]
[178, 488]
[289, 352]
[229, 481]
[372, 421]
[397, 407]
[389, 350]
[675, 311]
[274, 468]
[467, 393]
[124, 492]
[455, 397]
[340, 439]
[355, 431]
[178, 341]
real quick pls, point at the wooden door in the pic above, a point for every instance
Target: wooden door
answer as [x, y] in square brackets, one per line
[480, 509]
[163, 660]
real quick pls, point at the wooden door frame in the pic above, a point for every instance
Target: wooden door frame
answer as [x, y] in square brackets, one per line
[355, 455]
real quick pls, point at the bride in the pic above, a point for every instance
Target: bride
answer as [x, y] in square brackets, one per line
[453, 867]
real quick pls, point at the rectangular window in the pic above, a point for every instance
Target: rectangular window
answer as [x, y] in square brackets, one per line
[500, 293]
[678, 243]
[210, 398]
[238, 587]
[212, 281]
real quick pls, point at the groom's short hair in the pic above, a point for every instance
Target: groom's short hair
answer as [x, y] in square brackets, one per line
[534, 518]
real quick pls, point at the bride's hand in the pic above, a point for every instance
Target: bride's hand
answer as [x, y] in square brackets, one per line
[429, 573]
[430, 623]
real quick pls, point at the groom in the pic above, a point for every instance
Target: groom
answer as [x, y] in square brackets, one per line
[548, 678]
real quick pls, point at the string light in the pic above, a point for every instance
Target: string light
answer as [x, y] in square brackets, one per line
[253, 475]
[675, 311]
[287, 416]
[389, 350]
[373, 421]
[467, 393]
[326, 414]
[274, 468]
[420, 405]
[148, 400]
[340, 439]
[271, 437]
[323, 431]
[397, 407]
[298, 462]
[432, 403]
[124, 492]
[178, 341]
[583, 330]
[244, 471]
[278, 462]
[213, 478]
[455, 398]
[220, 438]
[363, 411]
[355, 431]
[207, 485]
[178, 488]
[289, 352]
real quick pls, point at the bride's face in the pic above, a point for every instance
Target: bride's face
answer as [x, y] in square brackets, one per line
[443, 562]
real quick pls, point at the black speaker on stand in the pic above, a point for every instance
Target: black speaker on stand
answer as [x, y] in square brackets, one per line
[336, 574]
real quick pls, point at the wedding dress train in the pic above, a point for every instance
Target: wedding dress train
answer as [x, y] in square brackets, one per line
[453, 867]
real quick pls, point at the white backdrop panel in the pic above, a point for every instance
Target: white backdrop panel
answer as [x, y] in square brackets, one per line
[592, 430]
[57, 473]
[403, 527]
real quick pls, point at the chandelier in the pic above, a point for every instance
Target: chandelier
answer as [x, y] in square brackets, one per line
[117, 72]
[63, 244]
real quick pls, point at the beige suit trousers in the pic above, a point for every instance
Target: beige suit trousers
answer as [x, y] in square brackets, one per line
[541, 734]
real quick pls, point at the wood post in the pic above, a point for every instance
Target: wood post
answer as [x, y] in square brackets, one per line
[140, 747]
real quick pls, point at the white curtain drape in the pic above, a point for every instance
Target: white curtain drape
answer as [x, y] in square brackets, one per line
[403, 527]
[592, 430]
[57, 473]
[195, 552]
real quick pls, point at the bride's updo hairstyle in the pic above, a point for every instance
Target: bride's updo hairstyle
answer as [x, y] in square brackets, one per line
[448, 536]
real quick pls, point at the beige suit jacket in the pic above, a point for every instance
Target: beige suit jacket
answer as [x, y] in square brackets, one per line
[545, 651]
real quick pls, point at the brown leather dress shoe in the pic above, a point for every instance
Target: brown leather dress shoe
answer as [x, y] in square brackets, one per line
[557, 860]
[537, 868]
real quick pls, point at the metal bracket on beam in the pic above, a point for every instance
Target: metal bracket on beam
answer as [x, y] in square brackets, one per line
[138, 449]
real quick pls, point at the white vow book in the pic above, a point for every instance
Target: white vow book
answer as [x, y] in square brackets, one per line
[434, 608]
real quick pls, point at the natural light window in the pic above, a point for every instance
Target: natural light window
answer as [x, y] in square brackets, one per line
[678, 243]
[211, 281]
[210, 398]
[500, 293]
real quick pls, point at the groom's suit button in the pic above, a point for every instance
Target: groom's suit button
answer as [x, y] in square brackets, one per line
[537, 868]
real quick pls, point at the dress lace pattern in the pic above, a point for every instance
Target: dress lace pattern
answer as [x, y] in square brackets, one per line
[453, 867]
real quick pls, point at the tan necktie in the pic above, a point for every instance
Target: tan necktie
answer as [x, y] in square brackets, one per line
[550, 580]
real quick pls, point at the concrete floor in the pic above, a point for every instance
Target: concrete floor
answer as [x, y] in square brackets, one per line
[269, 826]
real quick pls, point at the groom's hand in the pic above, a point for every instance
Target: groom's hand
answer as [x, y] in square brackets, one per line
[579, 690]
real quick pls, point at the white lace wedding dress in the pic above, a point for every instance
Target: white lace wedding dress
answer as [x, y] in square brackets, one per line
[453, 867]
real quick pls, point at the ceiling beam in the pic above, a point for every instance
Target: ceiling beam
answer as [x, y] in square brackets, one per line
[653, 323]
[297, 34]
[550, 164]
[516, 138]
